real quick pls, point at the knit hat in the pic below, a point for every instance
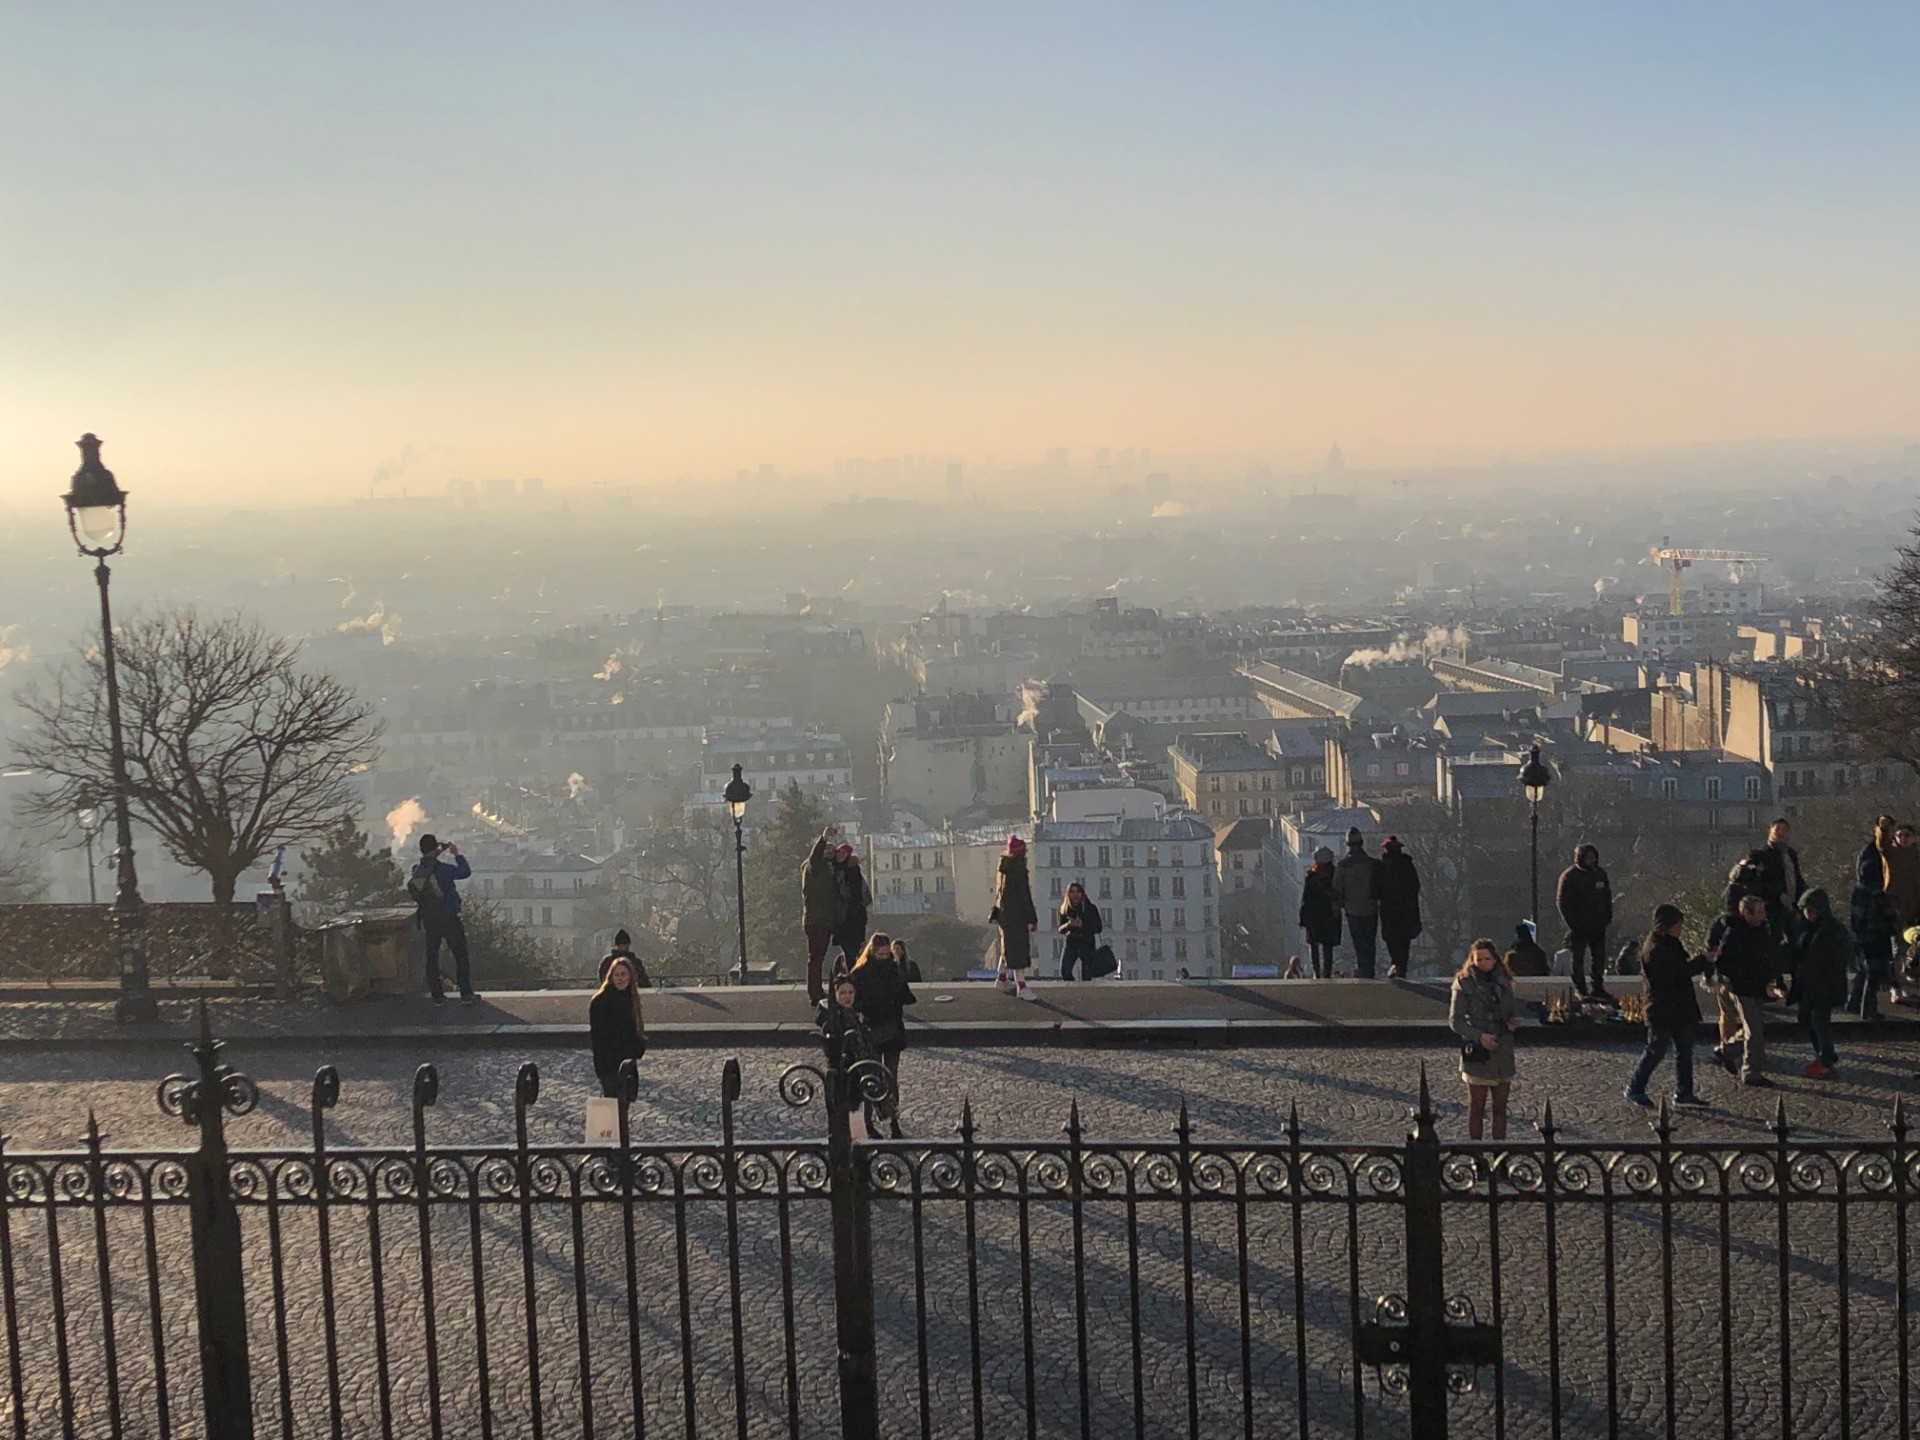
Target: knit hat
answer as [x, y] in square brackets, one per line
[1015, 845]
[1323, 856]
[1392, 842]
[844, 851]
[620, 937]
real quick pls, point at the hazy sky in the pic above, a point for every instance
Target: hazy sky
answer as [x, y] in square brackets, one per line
[272, 243]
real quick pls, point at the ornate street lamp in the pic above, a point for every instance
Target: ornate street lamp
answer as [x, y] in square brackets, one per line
[97, 518]
[1534, 779]
[90, 820]
[737, 794]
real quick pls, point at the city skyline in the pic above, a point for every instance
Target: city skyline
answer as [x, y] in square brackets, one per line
[633, 246]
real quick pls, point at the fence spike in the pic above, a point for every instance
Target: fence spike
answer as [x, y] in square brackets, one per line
[1425, 1113]
[1664, 1126]
[1073, 1119]
[730, 1081]
[1545, 1123]
[93, 1130]
[1780, 1119]
[1293, 1122]
[1899, 1125]
[966, 1118]
[1181, 1127]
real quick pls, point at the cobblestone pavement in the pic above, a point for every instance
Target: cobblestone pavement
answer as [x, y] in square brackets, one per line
[558, 1261]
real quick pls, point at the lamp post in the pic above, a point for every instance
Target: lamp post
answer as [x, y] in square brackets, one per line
[97, 519]
[737, 794]
[89, 818]
[1534, 779]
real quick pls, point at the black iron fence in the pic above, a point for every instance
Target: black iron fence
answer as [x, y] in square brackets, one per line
[958, 1287]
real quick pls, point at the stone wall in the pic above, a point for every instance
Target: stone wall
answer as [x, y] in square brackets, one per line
[184, 941]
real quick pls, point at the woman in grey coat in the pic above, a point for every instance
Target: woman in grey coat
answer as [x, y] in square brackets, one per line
[1484, 1014]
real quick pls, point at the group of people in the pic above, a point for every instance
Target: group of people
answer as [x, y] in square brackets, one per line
[1375, 899]
[1778, 940]
[835, 901]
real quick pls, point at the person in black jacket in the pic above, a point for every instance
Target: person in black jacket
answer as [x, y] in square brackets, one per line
[1822, 955]
[855, 900]
[623, 950]
[1782, 880]
[882, 995]
[1080, 924]
[1396, 890]
[1673, 1007]
[1584, 898]
[1320, 913]
[615, 1025]
[1745, 958]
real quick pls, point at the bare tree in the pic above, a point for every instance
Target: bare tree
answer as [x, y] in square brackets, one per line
[1871, 681]
[231, 748]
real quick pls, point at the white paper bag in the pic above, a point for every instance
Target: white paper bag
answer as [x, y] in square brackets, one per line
[603, 1121]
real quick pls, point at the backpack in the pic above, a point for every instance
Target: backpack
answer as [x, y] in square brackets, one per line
[424, 886]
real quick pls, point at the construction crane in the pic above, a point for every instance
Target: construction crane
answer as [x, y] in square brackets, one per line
[1677, 561]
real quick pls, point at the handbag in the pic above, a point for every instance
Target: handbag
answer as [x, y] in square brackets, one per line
[1473, 1053]
[603, 1121]
[1102, 963]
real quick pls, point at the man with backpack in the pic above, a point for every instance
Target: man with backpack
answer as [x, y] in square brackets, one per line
[437, 909]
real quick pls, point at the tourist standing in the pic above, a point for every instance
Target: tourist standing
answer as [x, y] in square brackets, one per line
[1870, 917]
[1320, 913]
[1080, 924]
[436, 900]
[881, 995]
[1014, 914]
[1584, 898]
[1744, 960]
[615, 1025]
[1484, 1013]
[1822, 955]
[1396, 890]
[1353, 887]
[1783, 882]
[1673, 1007]
[856, 900]
[623, 950]
[819, 908]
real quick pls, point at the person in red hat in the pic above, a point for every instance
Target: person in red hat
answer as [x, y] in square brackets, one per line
[1014, 913]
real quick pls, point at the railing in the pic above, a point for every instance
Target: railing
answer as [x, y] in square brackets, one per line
[958, 1287]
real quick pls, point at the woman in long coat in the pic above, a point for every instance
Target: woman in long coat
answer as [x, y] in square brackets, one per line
[1014, 913]
[1483, 1014]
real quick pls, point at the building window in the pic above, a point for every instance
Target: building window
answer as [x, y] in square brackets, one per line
[1209, 945]
[1206, 917]
[1239, 863]
[1126, 857]
[1079, 857]
[919, 885]
[1156, 949]
[1053, 856]
[1298, 775]
[893, 886]
[1153, 887]
[893, 861]
[939, 859]
[1055, 888]
[1180, 949]
[919, 861]
[1713, 787]
[1126, 886]
[1153, 856]
[1105, 856]
[1180, 881]
[1131, 922]
[546, 915]
[1266, 782]
[939, 884]
[1266, 805]
[1106, 888]
[1153, 917]
[1373, 768]
[1213, 784]
[1132, 948]
[1214, 806]
[1206, 882]
[1669, 788]
[1753, 787]
[1179, 918]
[1246, 807]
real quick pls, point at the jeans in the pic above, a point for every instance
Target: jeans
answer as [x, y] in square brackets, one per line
[818, 939]
[1078, 947]
[1819, 1022]
[1743, 1019]
[1322, 961]
[449, 929]
[1659, 1041]
[1589, 949]
[1863, 992]
[889, 1109]
[1398, 952]
[1363, 929]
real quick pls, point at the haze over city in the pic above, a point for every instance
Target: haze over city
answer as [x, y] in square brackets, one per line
[360, 247]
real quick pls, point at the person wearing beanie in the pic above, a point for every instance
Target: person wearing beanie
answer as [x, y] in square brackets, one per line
[1353, 888]
[1673, 1007]
[1017, 919]
[856, 900]
[623, 950]
[1526, 957]
[1584, 898]
[1822, 956]
[1320, 913]
[1396, 895]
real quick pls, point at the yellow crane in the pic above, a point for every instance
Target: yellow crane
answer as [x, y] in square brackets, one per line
[1678, 559]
